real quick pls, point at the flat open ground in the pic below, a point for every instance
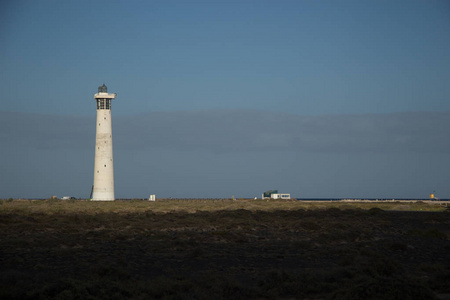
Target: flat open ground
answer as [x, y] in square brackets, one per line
[224, 249]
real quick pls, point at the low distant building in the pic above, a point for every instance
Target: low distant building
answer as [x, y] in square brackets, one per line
[273, 194]
[268, 194]
[281, 196]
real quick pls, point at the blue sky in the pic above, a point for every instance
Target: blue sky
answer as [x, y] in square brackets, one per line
[331, 61]
[305, 57]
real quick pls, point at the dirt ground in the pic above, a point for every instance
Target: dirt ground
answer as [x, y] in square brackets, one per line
[225, 254]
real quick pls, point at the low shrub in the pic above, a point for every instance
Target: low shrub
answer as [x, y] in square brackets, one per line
[375, 288]
[428, 233]
[375, 211]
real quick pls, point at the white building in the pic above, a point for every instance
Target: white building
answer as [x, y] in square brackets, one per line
[273, 194]
[103, 189]
[280, 196]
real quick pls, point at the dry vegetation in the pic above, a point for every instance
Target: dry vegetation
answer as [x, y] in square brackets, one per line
[224, 249]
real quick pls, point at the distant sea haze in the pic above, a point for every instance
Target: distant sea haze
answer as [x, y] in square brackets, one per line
[225, 153]
[248, 130]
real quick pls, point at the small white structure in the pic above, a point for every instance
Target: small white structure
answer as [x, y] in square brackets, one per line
[152, 198]
[281, 196]
[273, 194]
[103, 189]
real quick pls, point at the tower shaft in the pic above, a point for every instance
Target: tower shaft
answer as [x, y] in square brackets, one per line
[103, 168]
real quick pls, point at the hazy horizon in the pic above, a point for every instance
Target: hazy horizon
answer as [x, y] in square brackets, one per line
[239, 153]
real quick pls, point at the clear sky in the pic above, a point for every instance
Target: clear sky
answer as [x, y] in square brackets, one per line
[319, 62]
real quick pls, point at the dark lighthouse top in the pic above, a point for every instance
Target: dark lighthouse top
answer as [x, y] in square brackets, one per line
[102, 89]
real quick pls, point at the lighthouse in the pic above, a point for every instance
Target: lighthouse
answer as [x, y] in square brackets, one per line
[103, 188]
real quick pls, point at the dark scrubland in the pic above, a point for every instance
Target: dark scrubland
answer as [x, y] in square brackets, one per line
[242, 249]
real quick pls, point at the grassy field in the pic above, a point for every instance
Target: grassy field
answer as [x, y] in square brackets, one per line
[223, 249]
[190, 206]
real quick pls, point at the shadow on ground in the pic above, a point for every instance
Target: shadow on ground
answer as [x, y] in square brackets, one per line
[229, 254]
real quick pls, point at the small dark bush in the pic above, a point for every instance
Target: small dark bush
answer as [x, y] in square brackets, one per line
[428, 233]
[385, 288]
[375, 211]
[310, 225]
[398, 246]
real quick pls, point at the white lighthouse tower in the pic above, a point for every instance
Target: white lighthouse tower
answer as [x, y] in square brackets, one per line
[103, 189]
